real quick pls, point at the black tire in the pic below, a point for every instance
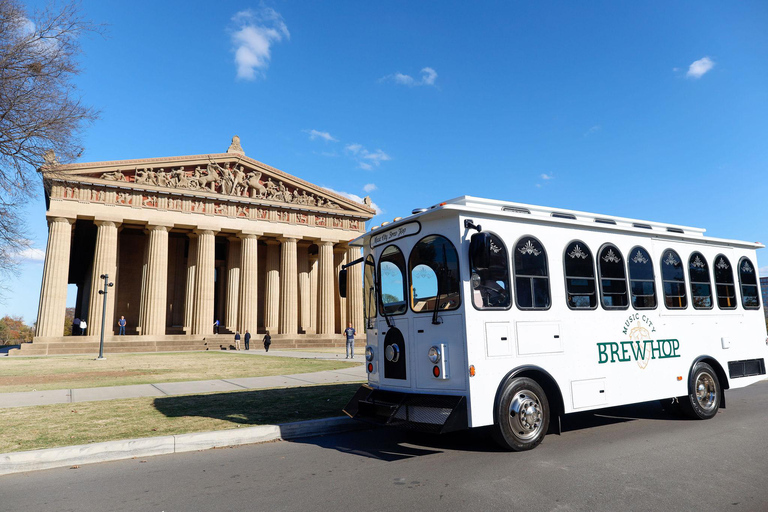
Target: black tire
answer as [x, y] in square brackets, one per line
[522, 415]
[704, 401]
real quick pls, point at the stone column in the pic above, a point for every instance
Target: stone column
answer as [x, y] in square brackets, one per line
[233, 283]
[53, 292]
[304, 287]
[325, 287]
[289, 310]
[156, 283]
[202, 316]
[104, 262]
[189, 296]
[355, 291]
[339, 260]
[249, 276]
[313, 293]
[272, 296]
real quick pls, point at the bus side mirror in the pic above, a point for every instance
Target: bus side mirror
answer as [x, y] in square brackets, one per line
[480, 250]
[343, 283]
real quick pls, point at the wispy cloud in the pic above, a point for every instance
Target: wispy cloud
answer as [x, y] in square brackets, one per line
[698, 68]
[544, 177]
[366, 159]
[253, 34]
[593, 129]
[354, 197]
[370, 187]
[315, 134]
[427, 76]
[547, 177]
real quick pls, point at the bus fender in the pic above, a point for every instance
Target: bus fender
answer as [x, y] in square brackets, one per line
[545, 380]
[711, 361]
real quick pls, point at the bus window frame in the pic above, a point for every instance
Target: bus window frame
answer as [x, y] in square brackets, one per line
[565, 276]
[629, 278]
[600, 277]
[756, 285]
[380, 290]
[663, 291]
[375, 288]
[548, 277]
[712, 293]
[733, 284]
[509, 275]
[409, 270]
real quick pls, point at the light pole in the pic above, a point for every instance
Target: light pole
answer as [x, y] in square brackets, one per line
[103, 292]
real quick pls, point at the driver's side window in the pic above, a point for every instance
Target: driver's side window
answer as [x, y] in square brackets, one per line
[490, 286]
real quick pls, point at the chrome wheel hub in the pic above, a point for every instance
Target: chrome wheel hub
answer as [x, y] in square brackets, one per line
[525, 417]
[706, 391]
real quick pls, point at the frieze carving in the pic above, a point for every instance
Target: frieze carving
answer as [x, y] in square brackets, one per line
[228, 179]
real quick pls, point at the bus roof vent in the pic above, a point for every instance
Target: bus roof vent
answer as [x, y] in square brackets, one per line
[605, 221]
[675, 230]
[564, 215]
[643, 226]
[515, 209]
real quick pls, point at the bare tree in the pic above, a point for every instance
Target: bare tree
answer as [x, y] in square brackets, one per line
[40, 111]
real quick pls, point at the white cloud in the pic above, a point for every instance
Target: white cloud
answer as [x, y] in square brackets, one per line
[428, 77]
[32, 254]
[356, 198]
[698, 68]
[547, 177]
[254, 33]
[315, 134]
[370, 187]
[763, 271]
[366, 159]
[364, 166]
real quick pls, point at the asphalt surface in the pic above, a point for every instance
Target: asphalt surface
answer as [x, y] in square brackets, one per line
[628, 458]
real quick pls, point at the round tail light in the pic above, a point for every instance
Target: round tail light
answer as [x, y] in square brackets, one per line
[436, 371]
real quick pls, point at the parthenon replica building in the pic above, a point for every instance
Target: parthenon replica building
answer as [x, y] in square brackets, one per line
[190, 240]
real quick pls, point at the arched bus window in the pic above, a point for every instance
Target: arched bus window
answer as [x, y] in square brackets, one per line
[748, 281]
[579, 276]
[613, 278]
[392, 281]
[531, 275]
[369, 289]
[701, 289]
[641, 279]
[434, 267]
[726, 291]
[673, 279]
[490, 277]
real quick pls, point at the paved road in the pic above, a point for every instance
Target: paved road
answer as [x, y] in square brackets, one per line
[629, 458]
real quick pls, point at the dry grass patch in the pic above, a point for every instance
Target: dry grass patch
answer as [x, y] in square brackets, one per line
[48, 426]
[39, 373]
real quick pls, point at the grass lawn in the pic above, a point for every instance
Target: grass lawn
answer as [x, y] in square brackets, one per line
[49, 426]
[61, 372]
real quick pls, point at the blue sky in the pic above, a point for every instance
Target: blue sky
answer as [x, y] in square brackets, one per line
[650, 110]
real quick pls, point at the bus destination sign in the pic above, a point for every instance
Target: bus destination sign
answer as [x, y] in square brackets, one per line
[408, 229]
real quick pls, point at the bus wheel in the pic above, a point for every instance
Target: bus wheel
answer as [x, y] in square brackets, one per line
[704, 402]
[522, 419]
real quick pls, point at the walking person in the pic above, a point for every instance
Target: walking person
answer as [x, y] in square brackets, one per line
[83, 327]
[216, 326]
[267, 341]
[121, 323]
[247, 340]
[237, 340]
[349, 332]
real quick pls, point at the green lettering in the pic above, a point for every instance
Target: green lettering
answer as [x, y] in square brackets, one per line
[639, 353]
[624, 351]
[655, 350]
[601, 353]
[614, 352]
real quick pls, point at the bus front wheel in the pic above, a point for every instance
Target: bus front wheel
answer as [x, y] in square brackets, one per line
[704, 401]
[522, 418]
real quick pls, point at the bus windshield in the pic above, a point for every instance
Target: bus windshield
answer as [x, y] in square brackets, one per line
[434, 266]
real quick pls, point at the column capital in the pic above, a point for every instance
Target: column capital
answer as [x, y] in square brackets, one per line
[340, 247]
[208, 232]
[326, 243]
[62, 220]
[108, 223]
[283, 239]
[158, 227]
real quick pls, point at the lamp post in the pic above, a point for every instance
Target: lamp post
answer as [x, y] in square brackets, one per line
[103, 292]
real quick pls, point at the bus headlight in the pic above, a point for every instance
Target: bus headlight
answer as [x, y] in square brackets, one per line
[434, 354]
[369, 353]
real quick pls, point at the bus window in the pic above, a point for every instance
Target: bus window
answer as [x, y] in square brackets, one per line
[434, 265]
[490, 286]
[613, 278]
[701, 290]
[673, 279]
[579, 276]
[369, 289]
[726, 291]
[392, 281]
[531, 275]
[748, 281]
[641, 279]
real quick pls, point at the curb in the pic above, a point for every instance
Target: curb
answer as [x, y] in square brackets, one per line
[34, 460]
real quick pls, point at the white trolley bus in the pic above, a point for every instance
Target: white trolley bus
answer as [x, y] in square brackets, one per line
[483, 312]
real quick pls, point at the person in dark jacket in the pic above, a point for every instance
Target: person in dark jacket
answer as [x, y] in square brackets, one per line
[237, 340]
[267, 341]
[247, 340]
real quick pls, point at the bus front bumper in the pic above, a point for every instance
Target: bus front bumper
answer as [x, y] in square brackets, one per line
[414, 411]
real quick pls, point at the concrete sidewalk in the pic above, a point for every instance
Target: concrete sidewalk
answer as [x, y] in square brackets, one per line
[59, 396]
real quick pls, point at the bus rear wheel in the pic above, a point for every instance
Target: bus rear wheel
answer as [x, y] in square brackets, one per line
[522, 418]
[704, 401]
